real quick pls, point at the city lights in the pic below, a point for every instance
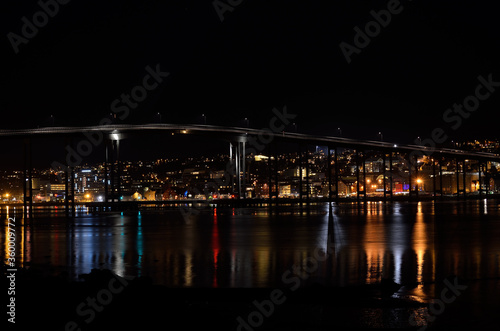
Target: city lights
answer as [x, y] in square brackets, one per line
[189, 177]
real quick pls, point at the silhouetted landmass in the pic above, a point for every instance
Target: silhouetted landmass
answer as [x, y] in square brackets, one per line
[51, 303]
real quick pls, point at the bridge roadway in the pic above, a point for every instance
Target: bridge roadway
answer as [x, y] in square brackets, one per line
[242, 134]
[241, 137]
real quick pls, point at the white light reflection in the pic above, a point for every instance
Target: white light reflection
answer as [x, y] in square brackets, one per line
[333, 235]
[398, 261]
[396, 239]
[119, 249]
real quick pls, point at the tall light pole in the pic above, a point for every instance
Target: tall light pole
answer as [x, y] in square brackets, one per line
[340, 132]
[381, 136]
[204, 118]
[159, 116]
[246, 122]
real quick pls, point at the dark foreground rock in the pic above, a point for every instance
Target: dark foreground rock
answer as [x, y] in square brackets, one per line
[105, 301]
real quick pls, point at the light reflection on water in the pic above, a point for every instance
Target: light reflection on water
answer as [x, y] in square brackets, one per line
[409, 243]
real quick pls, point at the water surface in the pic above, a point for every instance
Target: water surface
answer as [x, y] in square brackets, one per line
[405, 242]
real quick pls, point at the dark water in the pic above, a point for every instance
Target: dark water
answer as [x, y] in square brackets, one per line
[415, 245]
[405, 242]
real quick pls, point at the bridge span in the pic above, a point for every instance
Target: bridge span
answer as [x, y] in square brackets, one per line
[243, 141]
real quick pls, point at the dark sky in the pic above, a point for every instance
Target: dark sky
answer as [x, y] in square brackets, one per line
[264, 54]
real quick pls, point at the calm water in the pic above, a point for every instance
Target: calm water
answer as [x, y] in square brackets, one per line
[405, 242]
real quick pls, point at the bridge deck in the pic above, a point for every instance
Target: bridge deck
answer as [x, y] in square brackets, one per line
[242, 134]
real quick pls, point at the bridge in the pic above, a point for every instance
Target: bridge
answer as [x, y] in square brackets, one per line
[243, 141]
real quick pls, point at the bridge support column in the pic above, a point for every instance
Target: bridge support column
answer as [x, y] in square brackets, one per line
[480, 168]
[237, 152]
[233, 170]
[336, 174]
[300, 175]
[441, 178]
[308, 188]
[410, 171]
[383, 174]
[72, 190]
[390, 178]
[464, 178]
[329, 160]
[270, 175]
[111, 172]
[244, 167]
[66, 189]
[416, 178]
[112, 180]
[27, 180]
[118, 171]
[434, 189]
[364, 176]
[106, 180]
[357, 175]
[238, 170]
[486, 178]
[276, 169]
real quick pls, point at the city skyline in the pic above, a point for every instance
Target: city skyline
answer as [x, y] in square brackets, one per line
[206, 177]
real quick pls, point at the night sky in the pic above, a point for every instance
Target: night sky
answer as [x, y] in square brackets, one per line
[264, 54]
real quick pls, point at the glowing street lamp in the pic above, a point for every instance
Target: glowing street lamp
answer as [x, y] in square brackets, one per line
[419, 181]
